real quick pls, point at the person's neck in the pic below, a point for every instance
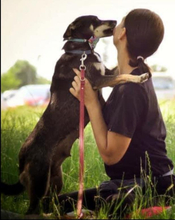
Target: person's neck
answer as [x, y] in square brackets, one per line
[123, 63]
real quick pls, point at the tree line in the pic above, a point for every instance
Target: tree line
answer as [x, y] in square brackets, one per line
[20, 74]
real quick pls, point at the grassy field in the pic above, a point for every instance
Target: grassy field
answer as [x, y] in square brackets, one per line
[16, 125]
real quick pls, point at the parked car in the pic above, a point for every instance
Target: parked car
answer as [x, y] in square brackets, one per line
[9, 94]
[32, 95]
[164, 86]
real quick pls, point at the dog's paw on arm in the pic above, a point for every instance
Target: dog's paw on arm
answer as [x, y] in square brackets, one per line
[144, 77]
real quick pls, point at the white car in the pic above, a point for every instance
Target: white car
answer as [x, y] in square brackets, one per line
[164, 86]
[32, 95]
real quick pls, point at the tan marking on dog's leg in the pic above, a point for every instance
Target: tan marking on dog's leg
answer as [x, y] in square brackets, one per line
[48, 182]
[132, 78]
[56, 178]
[24, 178]
[123, 78]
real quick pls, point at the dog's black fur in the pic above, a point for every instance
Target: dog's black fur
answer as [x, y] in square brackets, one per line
[50, 142]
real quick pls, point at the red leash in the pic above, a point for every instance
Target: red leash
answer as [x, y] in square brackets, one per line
[81, 138]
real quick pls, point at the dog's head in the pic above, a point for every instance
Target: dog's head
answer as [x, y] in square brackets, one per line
[87, 26]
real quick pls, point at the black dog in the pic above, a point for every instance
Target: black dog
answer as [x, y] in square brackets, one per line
[50, 142]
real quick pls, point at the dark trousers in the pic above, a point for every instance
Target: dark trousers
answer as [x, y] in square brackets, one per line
[109, 190]
[69, 200]
[94, 198]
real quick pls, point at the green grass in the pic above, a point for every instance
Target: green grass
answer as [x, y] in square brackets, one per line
[16, 125]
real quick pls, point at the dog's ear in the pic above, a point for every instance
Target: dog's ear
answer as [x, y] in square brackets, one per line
[69, 30]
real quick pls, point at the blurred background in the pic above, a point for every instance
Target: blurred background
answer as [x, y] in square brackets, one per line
[32, 40]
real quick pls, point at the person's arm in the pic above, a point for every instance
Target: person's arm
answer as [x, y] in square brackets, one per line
[112, 146]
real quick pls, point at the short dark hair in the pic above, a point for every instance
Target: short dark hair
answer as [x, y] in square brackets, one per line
[144, 32]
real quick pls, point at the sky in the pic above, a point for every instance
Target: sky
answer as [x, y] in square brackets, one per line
[33, 30]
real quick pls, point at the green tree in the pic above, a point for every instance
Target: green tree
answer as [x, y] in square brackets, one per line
[42, 80]
[24, 71]
[9, 81]
[20, 74]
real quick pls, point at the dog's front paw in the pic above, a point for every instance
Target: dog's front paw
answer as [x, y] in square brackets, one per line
[144, 77]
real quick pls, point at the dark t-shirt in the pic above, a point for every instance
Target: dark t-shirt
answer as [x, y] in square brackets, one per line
[132, 110]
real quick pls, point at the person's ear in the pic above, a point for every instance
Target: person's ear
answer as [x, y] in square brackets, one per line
[122, 33]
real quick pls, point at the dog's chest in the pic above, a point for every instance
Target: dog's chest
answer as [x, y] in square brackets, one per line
[99, 65]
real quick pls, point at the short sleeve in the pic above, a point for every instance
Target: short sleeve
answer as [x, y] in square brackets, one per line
[126, 109]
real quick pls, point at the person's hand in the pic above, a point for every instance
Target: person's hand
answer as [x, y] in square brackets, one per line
[90, 96]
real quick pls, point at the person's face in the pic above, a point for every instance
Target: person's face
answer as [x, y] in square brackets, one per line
[118, 31]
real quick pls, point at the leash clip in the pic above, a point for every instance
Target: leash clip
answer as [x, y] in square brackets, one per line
[83, 58]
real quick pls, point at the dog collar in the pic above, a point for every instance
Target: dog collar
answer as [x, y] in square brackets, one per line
[92, 41]
[79, 51]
